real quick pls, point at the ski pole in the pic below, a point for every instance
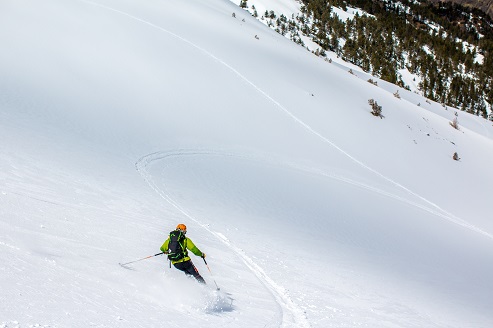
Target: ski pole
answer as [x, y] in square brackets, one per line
[145, 258]
[203, 258]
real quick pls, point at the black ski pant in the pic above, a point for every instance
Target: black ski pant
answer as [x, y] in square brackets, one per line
[190, 270]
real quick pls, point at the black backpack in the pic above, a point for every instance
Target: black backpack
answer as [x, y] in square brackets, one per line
[176, 246]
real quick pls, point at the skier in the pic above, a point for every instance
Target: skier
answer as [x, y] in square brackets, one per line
[176, 247]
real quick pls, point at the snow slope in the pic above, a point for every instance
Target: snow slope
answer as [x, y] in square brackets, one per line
[120, 119]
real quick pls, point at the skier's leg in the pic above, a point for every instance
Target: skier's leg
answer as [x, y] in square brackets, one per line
[197, 275]
[191, 270]
[180, 267]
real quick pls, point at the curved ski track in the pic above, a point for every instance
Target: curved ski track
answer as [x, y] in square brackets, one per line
[437, 209]
[292, 314]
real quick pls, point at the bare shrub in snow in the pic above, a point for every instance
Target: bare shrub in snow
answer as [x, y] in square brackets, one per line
[455, 122]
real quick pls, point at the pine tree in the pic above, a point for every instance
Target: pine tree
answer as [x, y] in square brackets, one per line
[255, 13]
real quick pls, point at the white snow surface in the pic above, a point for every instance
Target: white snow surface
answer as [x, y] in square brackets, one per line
[120, 119]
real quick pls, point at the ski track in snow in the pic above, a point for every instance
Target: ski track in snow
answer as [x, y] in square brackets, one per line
[203, 152]
[444, 214]
[9, 246]
[292, 314]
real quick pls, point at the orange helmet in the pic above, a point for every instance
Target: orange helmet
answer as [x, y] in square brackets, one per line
[181, 227]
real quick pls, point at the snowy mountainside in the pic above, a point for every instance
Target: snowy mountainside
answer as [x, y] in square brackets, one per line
[121, 119]
[406, 49]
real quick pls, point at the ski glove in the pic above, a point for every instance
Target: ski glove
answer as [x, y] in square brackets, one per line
[203, 255]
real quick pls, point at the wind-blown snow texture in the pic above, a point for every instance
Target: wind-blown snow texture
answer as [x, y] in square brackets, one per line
[120, 119]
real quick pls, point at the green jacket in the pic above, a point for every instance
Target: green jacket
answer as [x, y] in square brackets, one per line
[188, 244]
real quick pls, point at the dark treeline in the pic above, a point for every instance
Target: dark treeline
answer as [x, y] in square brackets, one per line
[449, 47]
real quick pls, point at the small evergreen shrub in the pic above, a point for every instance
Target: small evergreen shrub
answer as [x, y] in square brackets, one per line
[376, 110]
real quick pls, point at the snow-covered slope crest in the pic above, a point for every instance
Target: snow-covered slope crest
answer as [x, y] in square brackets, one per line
[120, 119]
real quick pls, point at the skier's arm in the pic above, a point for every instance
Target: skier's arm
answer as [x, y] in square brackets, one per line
[191, 246]
[164, 247]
